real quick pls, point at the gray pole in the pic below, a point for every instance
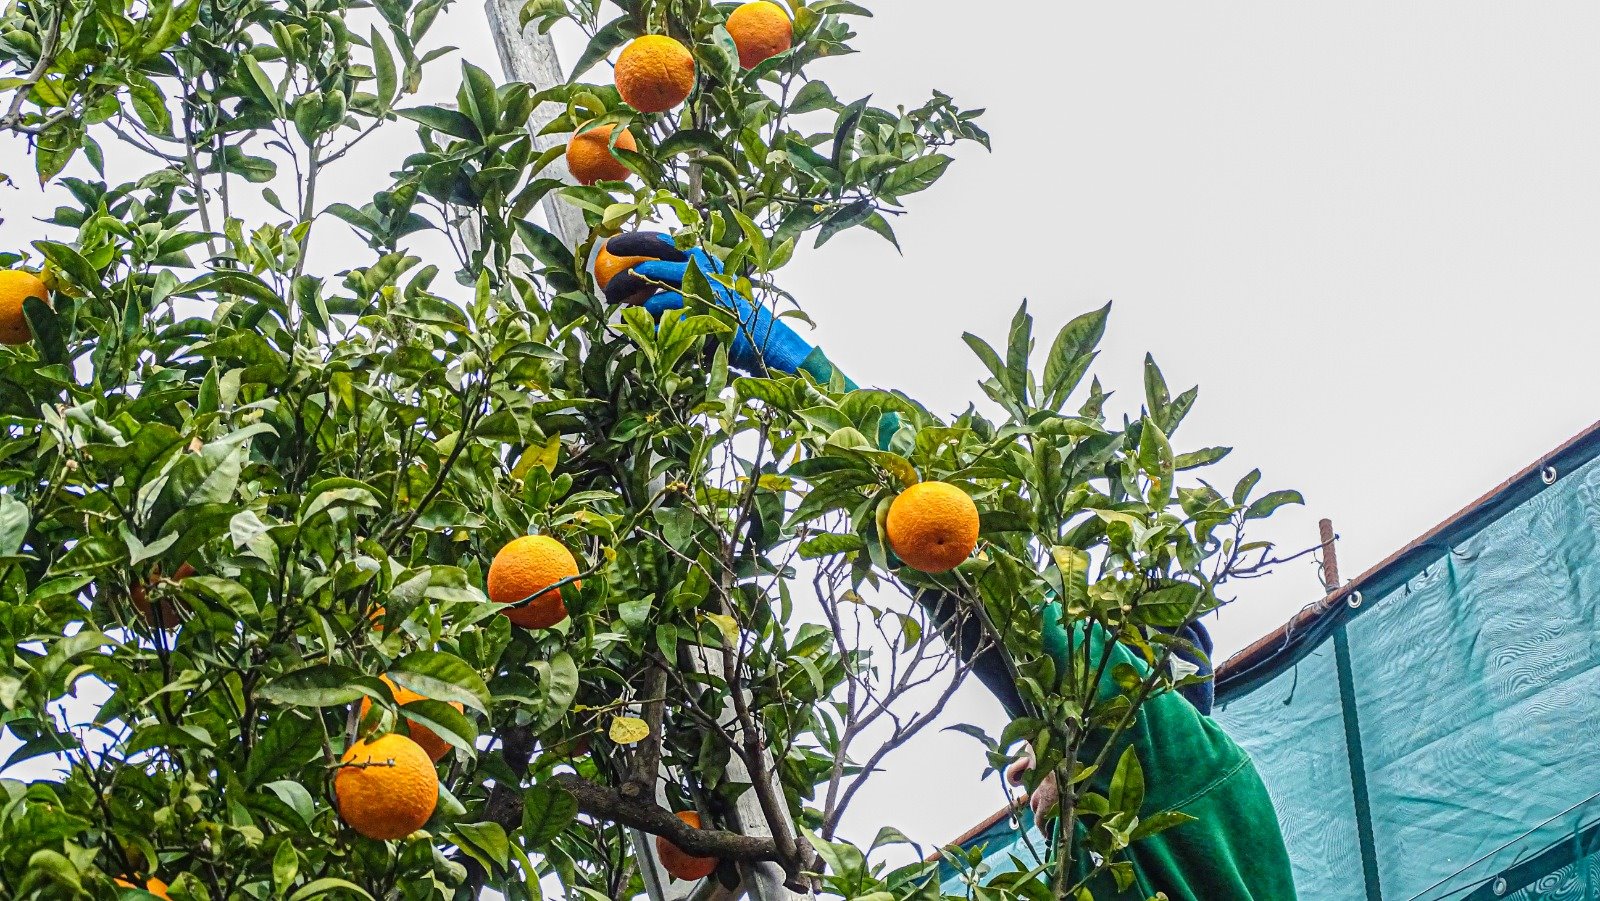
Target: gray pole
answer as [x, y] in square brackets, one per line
[531, 57]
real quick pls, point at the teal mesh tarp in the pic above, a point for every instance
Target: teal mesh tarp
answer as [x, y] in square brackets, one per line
[1440, 740]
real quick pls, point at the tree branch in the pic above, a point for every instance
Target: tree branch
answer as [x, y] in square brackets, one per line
[607, 804]
[647, 763]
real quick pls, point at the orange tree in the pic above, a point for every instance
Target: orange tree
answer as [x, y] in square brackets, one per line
[248, 508]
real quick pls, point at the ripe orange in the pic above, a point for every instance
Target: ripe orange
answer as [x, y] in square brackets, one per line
[933, 526]
[387, 787]
[654, 73]
[589, 156]
[426, 739]
[526, 567]
[682, 865]
[608, 266]
[170, 609]
[153, 885]
[761, 30]
[15, 285]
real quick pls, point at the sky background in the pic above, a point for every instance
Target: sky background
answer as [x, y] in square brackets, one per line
[1366, 229]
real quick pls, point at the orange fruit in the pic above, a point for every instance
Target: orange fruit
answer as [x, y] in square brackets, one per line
[153, 885]
[682, 865]
[761, 30]
[589, 156]
[426, 739]
[170, 609]
[933, 526]
[15, 285]
[654, 73]
[386, 788]
[526, 567]
[608, 266]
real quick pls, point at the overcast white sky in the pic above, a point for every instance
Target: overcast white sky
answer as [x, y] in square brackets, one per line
[1366, 229]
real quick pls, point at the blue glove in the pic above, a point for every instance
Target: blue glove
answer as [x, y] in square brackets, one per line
[761, 342]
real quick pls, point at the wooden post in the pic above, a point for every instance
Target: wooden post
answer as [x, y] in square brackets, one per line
[530, 57]
[1330, 557]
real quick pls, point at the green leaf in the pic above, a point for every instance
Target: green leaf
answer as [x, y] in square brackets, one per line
[1155, 454]
[829, 544]
[477, 97]
[446, 121]
[814, 96]
[334, 493]
[289, 743]
[445, 721]
[69, 261]
[1071, 353]
[46, 328]
[1247, 484]
[326, 886]
[1019, 347]
[388, 80]
[486, 842]
[1160, 821]
[849, 216]
[1156, 396]
[55, 147]
[844, 132]
[1203, 457]
[876, 223]
[166, 735]
[13, 525]
[1073, 564]
[547, 810]
[268, 92]
[690, 139]
[285, 866]
[441, 677]
[611, 36]
[1127, 784]
[1265, 506]
[1173, 605]
[917, 175]
[229, 281]
[320, 685]
[254, 169]
[987, 354]
[888, 835]
[558, 680]
[544, 245]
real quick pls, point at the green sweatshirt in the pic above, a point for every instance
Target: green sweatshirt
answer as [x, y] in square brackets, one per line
[1234, 850]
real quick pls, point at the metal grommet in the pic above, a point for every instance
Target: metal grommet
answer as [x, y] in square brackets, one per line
[1354, 600]
[1548, 475]
[1499, 885]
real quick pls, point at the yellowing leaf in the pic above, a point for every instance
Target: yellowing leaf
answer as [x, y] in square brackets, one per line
[728, 626]
[628, 730]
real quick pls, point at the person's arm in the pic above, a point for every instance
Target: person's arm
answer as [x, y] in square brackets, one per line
[763, 341]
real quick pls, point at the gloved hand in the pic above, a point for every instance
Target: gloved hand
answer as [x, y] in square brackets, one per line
[761, 342]
[647, 268]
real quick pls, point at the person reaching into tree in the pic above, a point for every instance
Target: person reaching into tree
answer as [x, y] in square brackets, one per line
[1233, 850]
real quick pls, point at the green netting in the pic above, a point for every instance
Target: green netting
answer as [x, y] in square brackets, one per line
[1007, 846]
[1466, 714]
[1289, 726]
